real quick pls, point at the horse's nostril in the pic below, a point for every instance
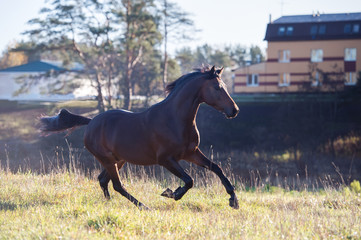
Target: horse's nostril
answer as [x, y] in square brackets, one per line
[235, 111]
[232, 113]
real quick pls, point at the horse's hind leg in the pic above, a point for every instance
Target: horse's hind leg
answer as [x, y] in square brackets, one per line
[103, 181]
[201, 160]
[112, 170]
[174, 167]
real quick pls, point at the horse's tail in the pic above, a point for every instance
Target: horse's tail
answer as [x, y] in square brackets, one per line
[63, 121]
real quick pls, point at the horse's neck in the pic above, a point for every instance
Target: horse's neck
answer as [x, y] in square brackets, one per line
[185, 103]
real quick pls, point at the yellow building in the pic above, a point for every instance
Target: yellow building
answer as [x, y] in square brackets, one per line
[306, 53]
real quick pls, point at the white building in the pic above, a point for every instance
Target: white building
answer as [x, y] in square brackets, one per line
[11, 78]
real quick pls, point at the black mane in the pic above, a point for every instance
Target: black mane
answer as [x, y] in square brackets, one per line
[197, 71]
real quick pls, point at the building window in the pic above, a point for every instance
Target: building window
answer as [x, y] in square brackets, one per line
[313, 30]
[284, 55]
[289, 31]
[347, 28]
[252, 80]
[351, 28]
[281, 31]
[316, 55]
[322, 29]
[284, 79]
[350, 54]
[356, 28]
[350, 78]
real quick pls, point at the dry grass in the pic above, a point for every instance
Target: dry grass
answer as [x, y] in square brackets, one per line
[65, 202]
[20, 124]
[67, 205]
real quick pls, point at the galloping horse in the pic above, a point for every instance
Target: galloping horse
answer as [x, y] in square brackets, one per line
[163, 134]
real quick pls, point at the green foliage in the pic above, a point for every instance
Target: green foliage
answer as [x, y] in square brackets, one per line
[273, 189]
[228, 56]
[355, 186]
[76, 104]
[256, 54]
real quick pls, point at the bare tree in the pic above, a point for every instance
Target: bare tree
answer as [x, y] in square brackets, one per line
[177, 25]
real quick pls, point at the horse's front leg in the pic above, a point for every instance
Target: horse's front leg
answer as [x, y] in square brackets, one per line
[174, 167]
[199, 159]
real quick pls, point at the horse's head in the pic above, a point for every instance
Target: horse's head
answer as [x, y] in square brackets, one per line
[214, 93]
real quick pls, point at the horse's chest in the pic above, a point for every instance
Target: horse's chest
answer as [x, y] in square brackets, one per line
[190, 142]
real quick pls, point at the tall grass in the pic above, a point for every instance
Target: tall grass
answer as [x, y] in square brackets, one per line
[65, 201]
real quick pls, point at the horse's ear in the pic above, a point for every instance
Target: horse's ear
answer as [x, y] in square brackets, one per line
[212, 71]
[219, 72]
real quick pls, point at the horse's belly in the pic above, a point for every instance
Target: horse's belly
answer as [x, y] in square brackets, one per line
[134, 149]
[135, 156]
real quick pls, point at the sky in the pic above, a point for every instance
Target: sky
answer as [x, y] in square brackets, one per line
[220, 22]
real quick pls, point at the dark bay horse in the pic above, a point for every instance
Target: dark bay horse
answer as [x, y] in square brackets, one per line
[164, 134]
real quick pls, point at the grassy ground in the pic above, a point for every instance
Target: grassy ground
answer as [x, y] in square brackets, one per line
[19, 124]
[68, 205]
[71, 206]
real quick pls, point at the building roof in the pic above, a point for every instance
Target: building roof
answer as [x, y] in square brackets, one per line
[36, 66]
[315, 18]
[315, 27]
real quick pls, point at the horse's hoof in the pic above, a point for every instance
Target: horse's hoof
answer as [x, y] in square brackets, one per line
[168, 193]
[233, 202]
[143, 207]
[178, 193]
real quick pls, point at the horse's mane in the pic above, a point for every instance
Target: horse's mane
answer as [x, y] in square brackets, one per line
[171, 86]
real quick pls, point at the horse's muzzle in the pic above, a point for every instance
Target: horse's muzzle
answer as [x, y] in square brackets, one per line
[232, 113]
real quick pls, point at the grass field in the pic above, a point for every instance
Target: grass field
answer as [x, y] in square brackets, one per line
[66, 205]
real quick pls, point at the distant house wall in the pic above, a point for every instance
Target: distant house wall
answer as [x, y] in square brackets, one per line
[301, 70]
[306, 53]
[9, 83]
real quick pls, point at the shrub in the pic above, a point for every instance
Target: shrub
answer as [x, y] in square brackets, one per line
[355, 186]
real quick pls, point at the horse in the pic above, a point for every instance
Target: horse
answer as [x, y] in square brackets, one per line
[163, 134]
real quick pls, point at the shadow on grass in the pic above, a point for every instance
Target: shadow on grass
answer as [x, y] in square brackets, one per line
[181, 206]
[9, 206]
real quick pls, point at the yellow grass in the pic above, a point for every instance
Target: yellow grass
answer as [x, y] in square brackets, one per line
[65, 205]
